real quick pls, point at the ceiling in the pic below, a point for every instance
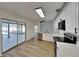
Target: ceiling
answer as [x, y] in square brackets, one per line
[26, 9]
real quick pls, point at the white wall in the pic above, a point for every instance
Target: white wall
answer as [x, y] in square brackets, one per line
[78, 17]
[46, 26]
[78, 27]
[0, 40]
[29, 29]
[38, 24]
[69, 14]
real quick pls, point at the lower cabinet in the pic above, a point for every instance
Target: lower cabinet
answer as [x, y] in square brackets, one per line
[67, 50]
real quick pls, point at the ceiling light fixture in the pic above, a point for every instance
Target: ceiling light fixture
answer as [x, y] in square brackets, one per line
[40, 12]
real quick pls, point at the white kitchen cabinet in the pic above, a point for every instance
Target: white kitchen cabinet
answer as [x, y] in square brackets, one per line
[47, 37]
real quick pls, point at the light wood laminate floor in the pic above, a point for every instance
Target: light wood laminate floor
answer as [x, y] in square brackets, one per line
[32, 48]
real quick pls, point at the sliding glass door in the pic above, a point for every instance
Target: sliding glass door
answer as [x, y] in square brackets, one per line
[12, 34]
[21, 33]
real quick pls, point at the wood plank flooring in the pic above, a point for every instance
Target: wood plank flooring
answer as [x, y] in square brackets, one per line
[32, 48]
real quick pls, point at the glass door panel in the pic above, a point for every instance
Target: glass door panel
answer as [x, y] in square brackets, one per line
[5, 37]
[13, 35]
[21, 33]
